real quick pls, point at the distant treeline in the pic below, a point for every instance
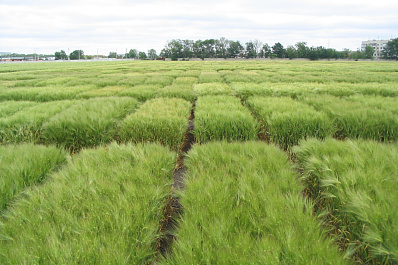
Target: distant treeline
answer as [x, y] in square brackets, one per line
[224, 48]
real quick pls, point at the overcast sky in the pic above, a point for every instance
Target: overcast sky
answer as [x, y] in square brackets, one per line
[109, 25]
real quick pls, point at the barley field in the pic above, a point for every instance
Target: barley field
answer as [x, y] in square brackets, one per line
[203, 162]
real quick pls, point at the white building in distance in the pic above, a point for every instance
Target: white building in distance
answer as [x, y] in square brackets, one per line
[378, 45]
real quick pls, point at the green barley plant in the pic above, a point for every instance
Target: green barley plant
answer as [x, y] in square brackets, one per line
[44, 94]
[24, 165]
[8, 108]
[183, 91]
[141, 92]
[212, 89]
[156, 79]
[223, 118]
[185, 80]
[103, 207]
[190, 73]
[247, 89]
[353, 185]
[378, 102]
[243, 205]
[354, 119]
[26, 125]
[161, 120]
[210, 77]
[108, 91]
[287, 121]
[89, 123]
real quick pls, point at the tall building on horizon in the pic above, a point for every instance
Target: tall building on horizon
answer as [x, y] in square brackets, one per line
[378, 46]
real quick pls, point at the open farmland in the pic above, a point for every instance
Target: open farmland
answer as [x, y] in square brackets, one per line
[292, 162]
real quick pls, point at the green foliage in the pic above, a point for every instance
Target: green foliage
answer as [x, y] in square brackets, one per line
[141, 92]
[76, 55]
[10, 107]
[223, 118]
[247, 89]
[104, 207]
[210, 77]
[26, 125]
[89, 123]
[357, 120]
[212, 89]
[179, 90]
[287, 121]
[25, 165]
[242, 205]
[161, 120]
[391, 50]
[353, 185]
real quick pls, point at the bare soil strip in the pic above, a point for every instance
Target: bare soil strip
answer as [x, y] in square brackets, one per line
[174, 209]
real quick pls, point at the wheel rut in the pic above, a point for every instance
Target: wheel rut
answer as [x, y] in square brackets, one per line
[173, 209]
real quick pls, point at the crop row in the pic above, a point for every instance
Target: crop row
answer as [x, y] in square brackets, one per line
[354, 187]
[242, 204]
[103, 207]
[283, 120]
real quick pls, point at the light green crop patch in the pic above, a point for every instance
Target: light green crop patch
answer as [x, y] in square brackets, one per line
[104, 207]
[161, 120]
[89, 123]
[141, 92]
[44, 94]
[248, 89]
[354, 187]
[354, 119]
[212, 89]
[210, 77]
[8, 108]
[26, 124]
[25, 165]
[287, 121]
[179, 90]
[223, 118]
[243, 205]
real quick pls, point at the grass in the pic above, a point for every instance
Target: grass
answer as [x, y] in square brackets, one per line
[179, 90]
[141, 92]
[89, 123]
[161, 120]
[353, 119]
[25, 165]
[287, 121]
[223, 118]
[212, 89]
[104, 207]
[242, 205]
[210, 77]
[26, 125]
[353, 185]
[8, 108]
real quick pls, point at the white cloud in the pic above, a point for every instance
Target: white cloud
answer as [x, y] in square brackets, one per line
[109, 25]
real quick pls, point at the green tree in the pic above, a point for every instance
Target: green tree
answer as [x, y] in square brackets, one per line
[302, 49]
[112, 55]
[391, 50]
[265, 51]
[61, 55]
[291, 52]
[250, 51]
[142, 55]
[76, 55]
[235, 49]
[152, 54]
[369, 51]
[278, 50]
[133, 53]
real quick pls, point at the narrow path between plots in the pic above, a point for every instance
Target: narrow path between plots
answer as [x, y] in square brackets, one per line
[173, 209]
